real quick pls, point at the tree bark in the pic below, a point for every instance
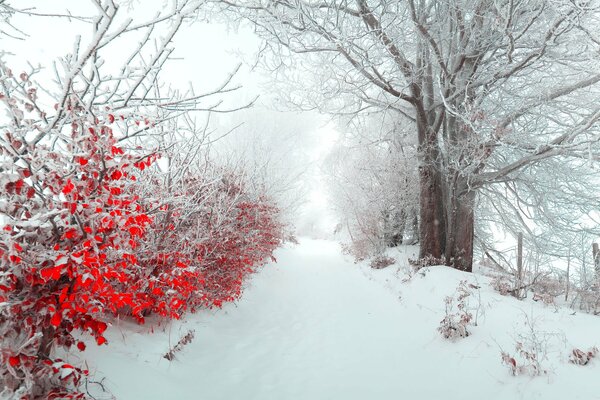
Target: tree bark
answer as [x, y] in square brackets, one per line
[460, 254]
[432, 224]
[431, 227]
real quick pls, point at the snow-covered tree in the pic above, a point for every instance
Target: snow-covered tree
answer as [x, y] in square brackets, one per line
[492, 87]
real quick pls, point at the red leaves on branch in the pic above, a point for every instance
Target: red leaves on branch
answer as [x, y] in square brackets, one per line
[82, 247]
[71, 262]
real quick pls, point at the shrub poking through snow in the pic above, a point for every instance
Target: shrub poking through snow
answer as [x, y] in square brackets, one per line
[529, 363]
[186, 339]
[581, 357]
[531, 349]
[426, 261]
[546, 298]
[588, 299]
[502, 285]
[382, 261]
[456, 322]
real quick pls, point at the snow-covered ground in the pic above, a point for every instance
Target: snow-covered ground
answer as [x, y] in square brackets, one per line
[317, 326]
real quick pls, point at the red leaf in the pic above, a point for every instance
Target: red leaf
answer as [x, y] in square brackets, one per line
[56, 319]
[116, 175]
[111, 118]
[63, 294]
[14, 361]
[81, 346]
[68, 187]
[135, 231]
[70, 234]
[100, 340]
[116, 150]
[47, 273]
[82, 161]
[101, 327]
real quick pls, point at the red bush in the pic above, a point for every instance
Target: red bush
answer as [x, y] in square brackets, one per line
[69, 239]
[79, 245]
[215, 239]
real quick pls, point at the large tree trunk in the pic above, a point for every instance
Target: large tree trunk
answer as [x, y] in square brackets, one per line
[446, 204]
[432, 227]
[461, 222]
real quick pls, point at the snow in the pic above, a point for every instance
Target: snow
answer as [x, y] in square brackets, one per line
[317, 326]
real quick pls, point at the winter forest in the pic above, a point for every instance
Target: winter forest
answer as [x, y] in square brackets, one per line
[299, 199]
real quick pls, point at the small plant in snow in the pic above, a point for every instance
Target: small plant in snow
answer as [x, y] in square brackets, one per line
[531, 351]
[529, 363]
[186, 339]
[455, 324]
[427, 261]
[588, 299]
[502, 285]
[382, 261]
[545, 298]
[581, 357]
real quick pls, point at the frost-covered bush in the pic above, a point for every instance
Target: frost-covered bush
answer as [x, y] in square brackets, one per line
[427, 261]
[381, 262]
[529, 361]
[78, 245]
[531, 349]
[502, 285]
[581, 357]
[81, 243]
[71, 231]
[587, 299]
[456, 322]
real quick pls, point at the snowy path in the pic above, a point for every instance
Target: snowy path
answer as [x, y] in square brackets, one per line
[314, 327]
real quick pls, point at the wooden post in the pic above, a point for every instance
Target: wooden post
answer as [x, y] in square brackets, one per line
[596, 257]
[568, 283]
[519, 263]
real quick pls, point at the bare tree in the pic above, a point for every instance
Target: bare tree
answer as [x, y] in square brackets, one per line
[492, 87]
